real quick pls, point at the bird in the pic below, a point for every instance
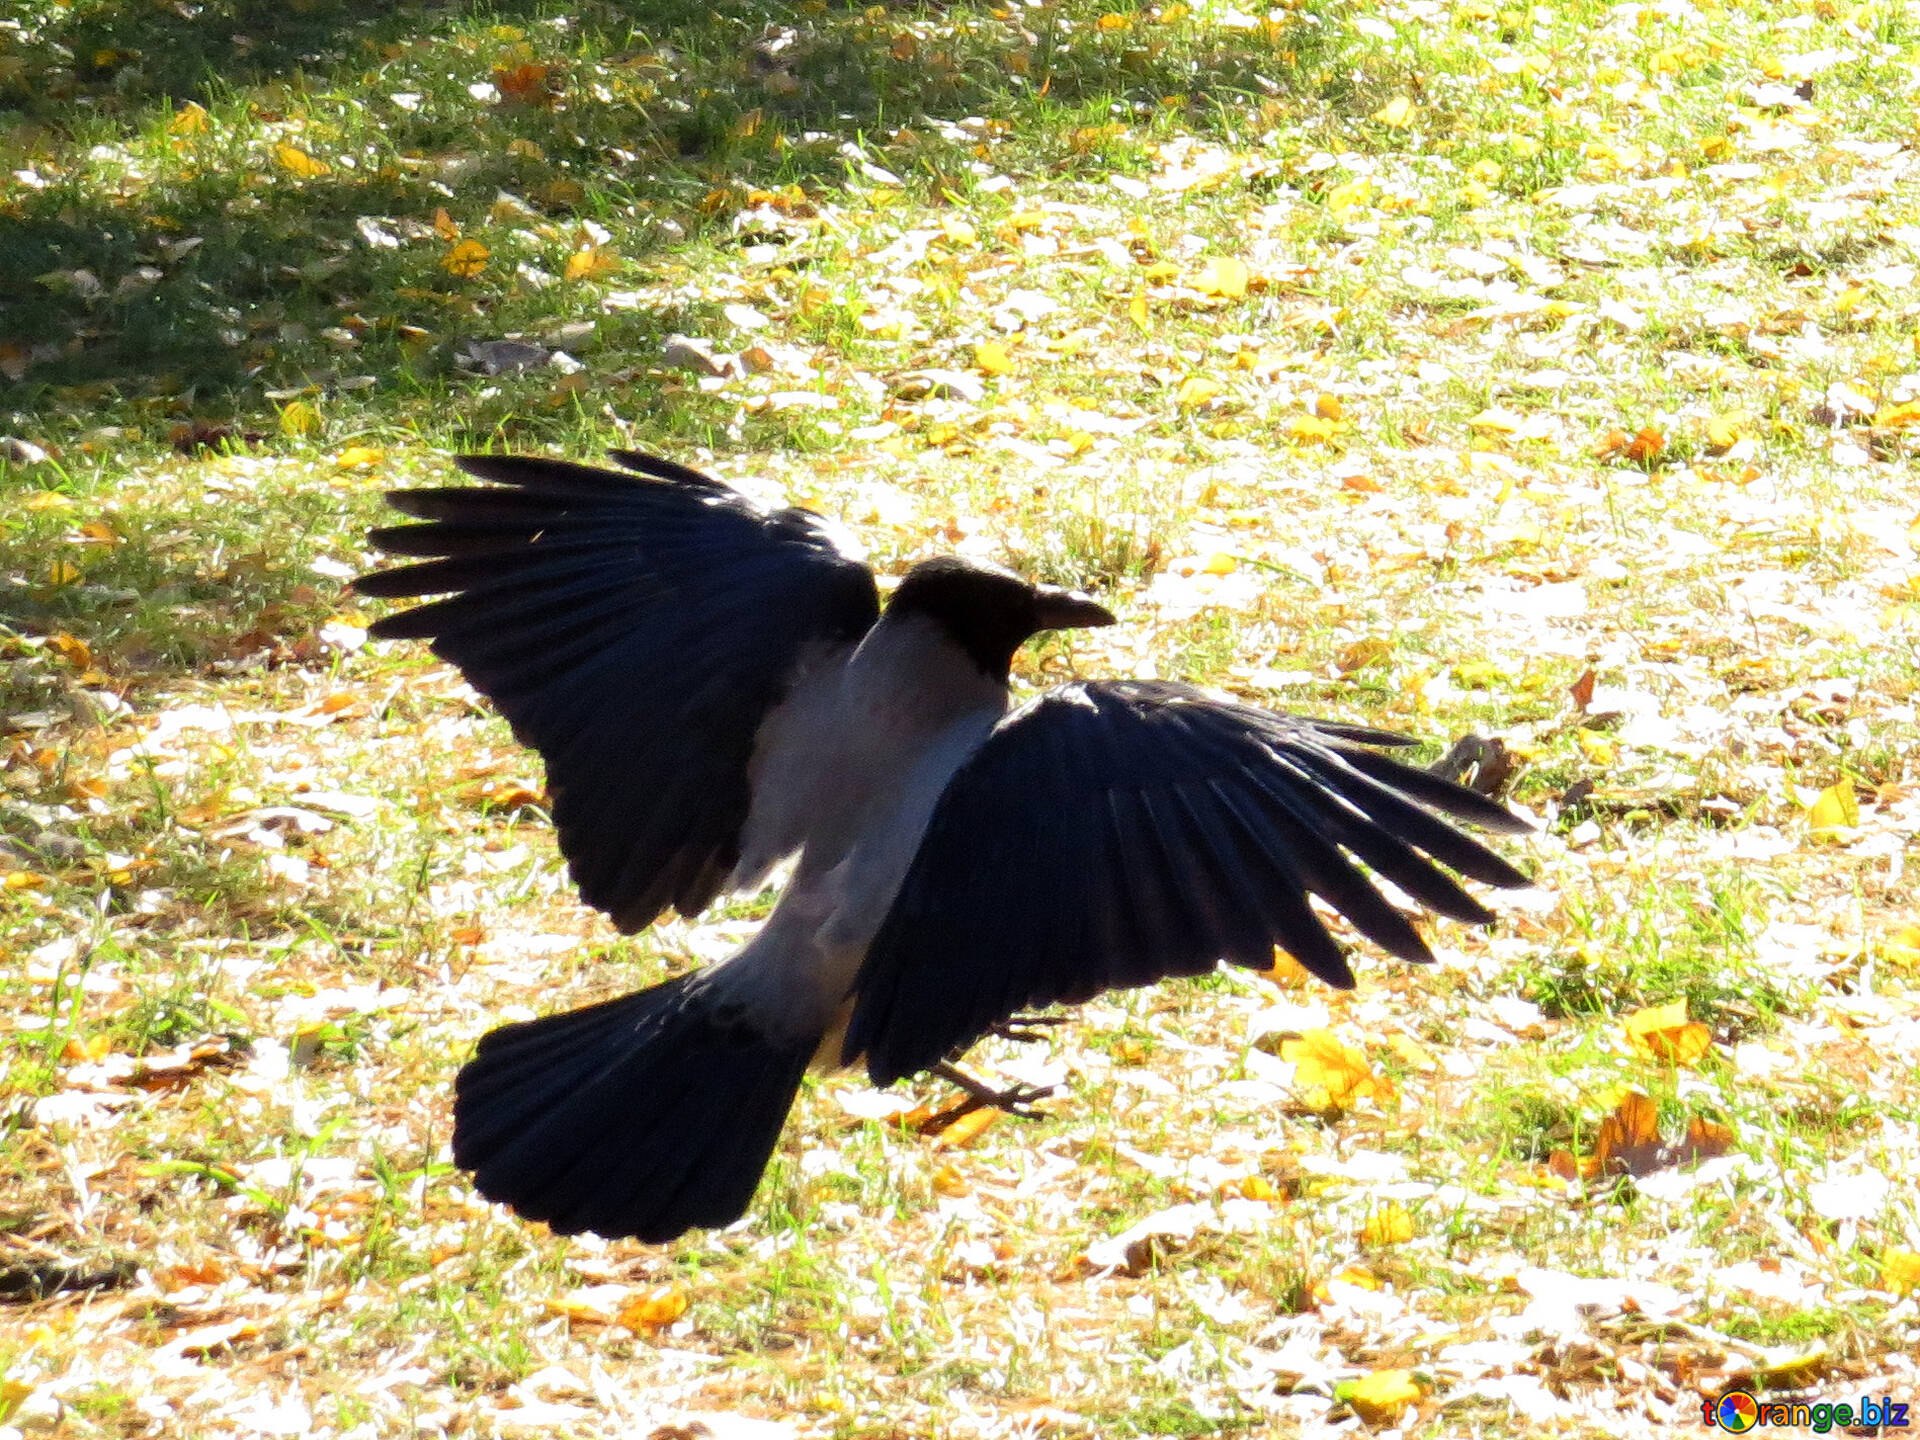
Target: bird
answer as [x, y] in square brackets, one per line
[715, 689]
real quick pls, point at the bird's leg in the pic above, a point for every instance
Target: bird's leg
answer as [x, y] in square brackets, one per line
[1015, 1099]
[1026, 1028]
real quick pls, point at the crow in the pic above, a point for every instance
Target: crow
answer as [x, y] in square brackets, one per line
[715, 688]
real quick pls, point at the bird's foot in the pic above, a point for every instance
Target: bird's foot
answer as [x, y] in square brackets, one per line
[1026, 1028]
[1014, 1099]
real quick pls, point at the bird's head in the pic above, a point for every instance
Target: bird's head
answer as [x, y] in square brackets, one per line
[989, 612]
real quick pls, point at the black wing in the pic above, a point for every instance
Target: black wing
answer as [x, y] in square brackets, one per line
[636, 631]
[1114, 834]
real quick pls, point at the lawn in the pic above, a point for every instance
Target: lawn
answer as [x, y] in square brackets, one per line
[1550, 372]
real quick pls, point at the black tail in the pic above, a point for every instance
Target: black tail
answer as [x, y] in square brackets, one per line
[643, 1116]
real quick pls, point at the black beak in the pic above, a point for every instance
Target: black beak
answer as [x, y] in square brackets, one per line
[1057, 609]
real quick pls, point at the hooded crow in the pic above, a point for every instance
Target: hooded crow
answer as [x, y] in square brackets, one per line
[714, 689]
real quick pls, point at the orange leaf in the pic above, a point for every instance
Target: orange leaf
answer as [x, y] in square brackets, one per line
[1646, 446]
[465, 259]
[655, 1308]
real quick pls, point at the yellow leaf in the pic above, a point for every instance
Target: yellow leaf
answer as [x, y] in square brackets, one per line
[1327, 1073]
[947, 1180]
[1390, 1224]
[298, 418]
[1258, 1187]
[1723, 432]
[990, 357]
[652, 1309]
[591, 264]
[1892, 417]
[1597, 748]
[1903, 945]
[1289, 973]
[63, 572]
[1354, 193]
[444, 225]
[1309, 430]
[189, 119]
[298, 163]
[1137, 311]
[1663, 1032]
[1174, 13]
[465, 259]
[1412, 1052]
[359, 457]
[1195, 391]
[1835, 812]
[1900, 1271]
[1396, 114]
[1223, 276]
[1114, 20]
[75, 651]
[1380, 1398]
[1328, 407]
[1220, 563]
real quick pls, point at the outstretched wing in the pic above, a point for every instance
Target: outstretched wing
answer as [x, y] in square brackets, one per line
[638, 631]
[1113, 834]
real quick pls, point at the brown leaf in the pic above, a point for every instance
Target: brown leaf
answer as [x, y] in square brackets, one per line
[1582, 690]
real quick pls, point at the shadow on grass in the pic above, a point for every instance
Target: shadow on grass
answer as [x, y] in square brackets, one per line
[163, 263]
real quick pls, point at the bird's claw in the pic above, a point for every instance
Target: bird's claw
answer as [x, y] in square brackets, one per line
[1027, 1029]
[1015, 1100]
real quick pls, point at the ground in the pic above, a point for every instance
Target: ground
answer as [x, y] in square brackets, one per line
[1546, 372]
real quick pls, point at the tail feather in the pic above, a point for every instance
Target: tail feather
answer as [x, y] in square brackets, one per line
[644, 1116]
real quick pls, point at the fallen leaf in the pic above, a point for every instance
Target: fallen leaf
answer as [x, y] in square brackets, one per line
[1646, 446]
[1835, 815]
[1381, 1397]
[1663, 1032]
[991, 357]
[1629, 1142]
[1396, 114]
[1900, 1271]
[1195, 391]
[1223, 276]
[1329, 1074]
[299, 164]
[1390, 1224]
[465, 259]
[654, 1309]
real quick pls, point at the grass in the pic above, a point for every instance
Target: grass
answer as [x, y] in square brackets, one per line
[1397, 362]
